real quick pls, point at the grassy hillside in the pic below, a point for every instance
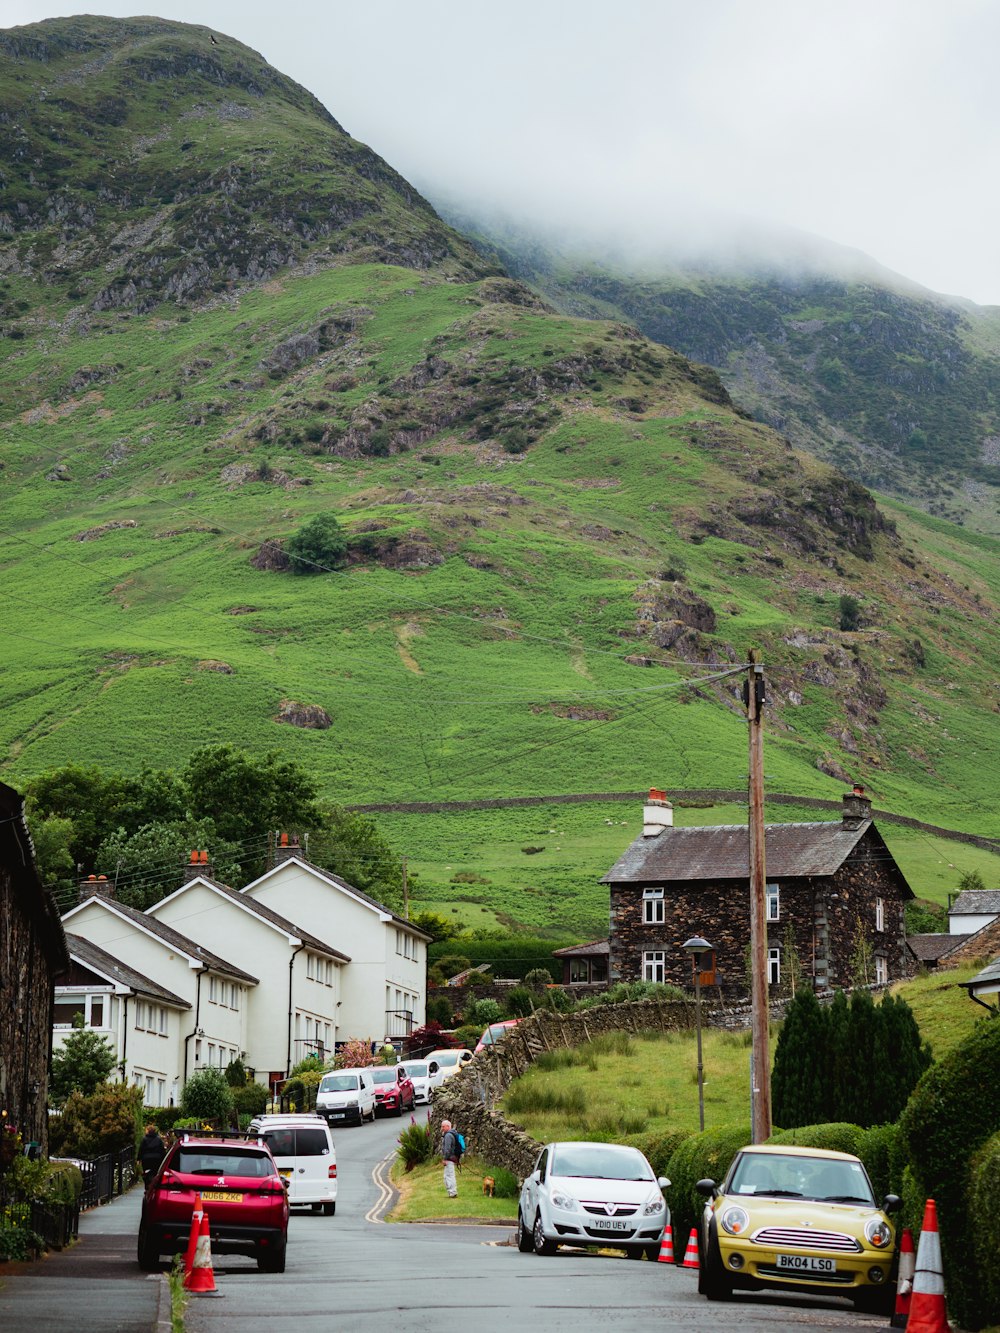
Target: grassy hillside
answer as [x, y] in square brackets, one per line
[561, 535]
[896, 386]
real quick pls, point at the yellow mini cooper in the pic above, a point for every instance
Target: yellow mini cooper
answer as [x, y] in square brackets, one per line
[797, 1218]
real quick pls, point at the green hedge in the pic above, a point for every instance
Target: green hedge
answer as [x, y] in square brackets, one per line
[658, 1146]
[707, 1154]
[834, 1137]
[984, 1191]
[953, 1113]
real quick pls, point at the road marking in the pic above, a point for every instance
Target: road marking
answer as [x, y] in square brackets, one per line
[386, 1191]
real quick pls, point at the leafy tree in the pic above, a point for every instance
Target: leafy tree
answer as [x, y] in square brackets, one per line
[430, 1037]
[438, 1010]
[81, 1064]
[52, 836]
[207, 1096]
[318, 546]
[147, 864]
[970, 879]
[453, 963]
[797, 1083]
[435, 925]
[89, 798]
[906, 1058]
[244, 796]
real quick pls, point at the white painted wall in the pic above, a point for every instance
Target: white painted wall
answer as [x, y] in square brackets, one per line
[967, 923]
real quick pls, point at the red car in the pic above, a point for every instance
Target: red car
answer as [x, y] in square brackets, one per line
[394, 1090]
[243, 1195]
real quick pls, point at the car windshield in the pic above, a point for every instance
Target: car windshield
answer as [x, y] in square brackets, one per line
[599, 1161]
[825, 1179]
[222, 1162]
[494, 1032]
[418, 1070]
[446, 1058]
[339, 1083]
[387, 1075]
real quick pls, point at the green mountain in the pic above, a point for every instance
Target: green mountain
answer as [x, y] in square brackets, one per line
[225, 317]
[893, 384]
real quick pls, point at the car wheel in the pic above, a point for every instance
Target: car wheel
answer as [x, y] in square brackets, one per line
[632, 1253]
[315, 1207]
[399, 1108]
[523, 1235]
[712, 1280]
[148, 1252]
[653, 1253]
[538, 1239]
[272, 1261]
[875, 1300]
[329, 1209]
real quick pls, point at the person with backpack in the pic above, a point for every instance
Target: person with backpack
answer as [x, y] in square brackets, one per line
[452, 1147]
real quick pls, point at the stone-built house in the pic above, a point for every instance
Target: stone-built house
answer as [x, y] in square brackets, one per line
[584, 964]
[32, 957]
[142, 1021]
[830, 886]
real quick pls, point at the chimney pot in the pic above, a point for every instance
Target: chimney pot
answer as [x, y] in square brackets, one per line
[194, 858]
[657, 814]
[283, 840]
[203, 858]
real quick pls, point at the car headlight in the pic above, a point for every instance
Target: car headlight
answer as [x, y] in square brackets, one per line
[654, 1204]
[878, 1233]
[734, 1219]
[564, 1201]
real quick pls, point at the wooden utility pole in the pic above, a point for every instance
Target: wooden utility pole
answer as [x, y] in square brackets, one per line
[760, 1064]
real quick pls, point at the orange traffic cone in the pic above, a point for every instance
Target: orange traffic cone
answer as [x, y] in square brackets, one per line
[201, 1280]
[196, 1216]
[691, 1253]
[666, 1255]
[904, 1283]
[928, 1313]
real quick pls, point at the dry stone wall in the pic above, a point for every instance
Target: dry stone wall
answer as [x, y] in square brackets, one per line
[469, 1098]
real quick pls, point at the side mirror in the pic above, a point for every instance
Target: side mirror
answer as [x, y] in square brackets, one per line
[892, 1203]
[432, 1068]
[663, 1182]
[707, 1188]
[466, 1057]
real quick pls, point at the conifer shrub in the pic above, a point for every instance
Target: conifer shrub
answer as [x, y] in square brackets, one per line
[251, 1099]
[983, 1194]
[945, 1126]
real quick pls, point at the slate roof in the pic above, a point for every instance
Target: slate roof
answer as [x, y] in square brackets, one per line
[988, 977]
[929, 948]
[172, 937]
[595, 949]
[721, 851]
[93, 956]
[267, 914]
[978, 902]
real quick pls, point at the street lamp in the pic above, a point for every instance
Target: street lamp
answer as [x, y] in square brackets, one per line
[696, 946]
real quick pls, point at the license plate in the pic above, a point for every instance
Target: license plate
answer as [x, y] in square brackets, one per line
[609, 1224]
[338, 1115]
[286, 1173]
[806, 1263]
[220, 1196]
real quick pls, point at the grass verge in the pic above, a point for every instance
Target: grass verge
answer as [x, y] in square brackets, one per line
[423, 1198]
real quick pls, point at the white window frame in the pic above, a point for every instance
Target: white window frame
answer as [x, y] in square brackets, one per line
[654, 962]
[773, 902]
[653, 907]
[773, 967]
[84, 1006]
[880, 914]
[881, 971]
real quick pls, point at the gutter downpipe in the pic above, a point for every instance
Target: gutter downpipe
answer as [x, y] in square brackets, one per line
[197, 1020]
[291, 964]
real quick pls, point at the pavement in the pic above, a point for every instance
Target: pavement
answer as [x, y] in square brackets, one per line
[94, 1285]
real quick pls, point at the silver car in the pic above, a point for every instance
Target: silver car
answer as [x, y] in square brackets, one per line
[592, 1194]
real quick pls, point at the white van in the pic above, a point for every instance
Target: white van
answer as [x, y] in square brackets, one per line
[303, 1151]
[346, 1095]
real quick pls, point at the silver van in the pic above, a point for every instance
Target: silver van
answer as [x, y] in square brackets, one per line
[303, 1151]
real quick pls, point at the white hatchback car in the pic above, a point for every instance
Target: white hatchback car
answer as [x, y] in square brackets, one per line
[346, 1095]
[442, 1064]
[303, 1151]
[592, 1194]
[420, 1077]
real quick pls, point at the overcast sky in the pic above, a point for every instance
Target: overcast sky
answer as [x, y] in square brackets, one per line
[872, 123]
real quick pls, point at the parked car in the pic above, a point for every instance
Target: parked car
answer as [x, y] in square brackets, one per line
[302, 1147]
[442, 1064]
[494, 1033]
[587, 1194]
[245, 1198]
[346, 1095]
[393, 1089]
[802, 1219]
[419, 1076]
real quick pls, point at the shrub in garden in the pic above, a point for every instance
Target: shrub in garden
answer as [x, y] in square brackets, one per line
[416, 1145]
[355, 1054]
[251, 1099]
[946, 1123]
[307, 1066]
[107, 1121]
[236, 1073]
[81, 1063]
[538, 977]
[708, 1154]
[481, 1012]
[430, 1037]
[520, 1002]
[207, 1096]
[439, 1010]
[468, 1035]
[831, 1136]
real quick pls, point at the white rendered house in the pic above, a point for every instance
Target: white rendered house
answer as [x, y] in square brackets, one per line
[294, 1010]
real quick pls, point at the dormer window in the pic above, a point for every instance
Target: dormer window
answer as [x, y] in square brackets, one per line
[652, 907]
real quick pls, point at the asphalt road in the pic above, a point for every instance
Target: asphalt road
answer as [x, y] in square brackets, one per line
[349, 1271]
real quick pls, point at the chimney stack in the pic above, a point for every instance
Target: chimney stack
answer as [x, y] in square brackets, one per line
[96, 886]
[857, 808]
[197, 864]
[657, 813]
[286, 846]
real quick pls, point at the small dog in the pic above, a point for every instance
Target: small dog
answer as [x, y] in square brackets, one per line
[489, 1184]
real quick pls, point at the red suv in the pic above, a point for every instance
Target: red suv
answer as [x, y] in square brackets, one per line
[394, 1090]
[242, 1192]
